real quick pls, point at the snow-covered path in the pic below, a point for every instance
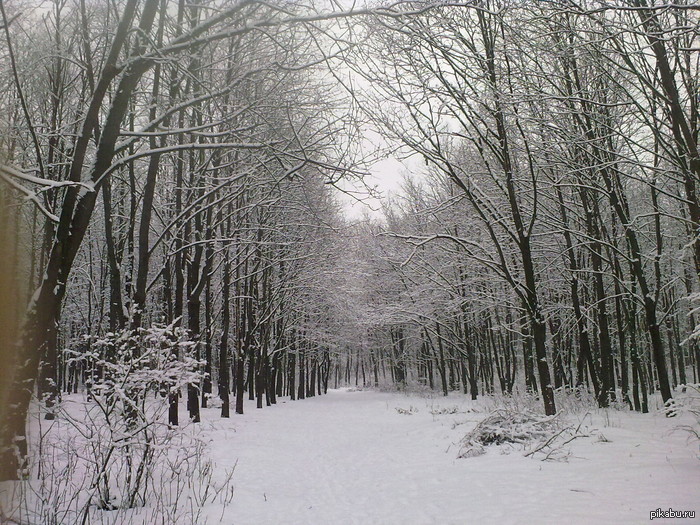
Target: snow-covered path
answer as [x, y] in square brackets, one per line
[352, 458]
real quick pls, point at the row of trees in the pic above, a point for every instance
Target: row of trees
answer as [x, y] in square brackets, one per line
[560, 205]
[178, 159]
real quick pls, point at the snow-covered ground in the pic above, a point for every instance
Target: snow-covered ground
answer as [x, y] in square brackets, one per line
[351, 457]
[368, 457]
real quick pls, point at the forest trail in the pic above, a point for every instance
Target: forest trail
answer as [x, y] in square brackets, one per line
[171, 216]
[353, 458]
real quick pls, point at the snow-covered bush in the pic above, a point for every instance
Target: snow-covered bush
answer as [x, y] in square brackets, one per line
[409, 387]
[510, 426]
[110, 457]
[578, 399]
[688, 402]
[518, 401]
[440, 411]
[567, 399]
[122, 419]
[539, 435]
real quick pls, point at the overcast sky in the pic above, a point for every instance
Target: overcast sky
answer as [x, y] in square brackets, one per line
[385, 176]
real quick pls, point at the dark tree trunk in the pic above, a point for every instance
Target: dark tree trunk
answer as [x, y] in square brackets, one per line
[240, 385]
[43, 314]
[223, 344]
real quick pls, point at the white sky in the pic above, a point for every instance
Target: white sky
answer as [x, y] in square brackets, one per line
[386, 176]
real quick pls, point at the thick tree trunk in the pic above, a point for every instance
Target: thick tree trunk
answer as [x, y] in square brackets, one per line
[43, 314]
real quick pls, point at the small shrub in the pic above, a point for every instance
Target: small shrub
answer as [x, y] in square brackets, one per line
[446, 410]
[543, 436]
[410, 388]
[688, 402]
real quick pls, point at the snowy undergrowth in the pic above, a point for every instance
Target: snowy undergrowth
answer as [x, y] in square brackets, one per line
[109, 457]
[79, 477]
[688, 404]
[516, 423]
[510, 427]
